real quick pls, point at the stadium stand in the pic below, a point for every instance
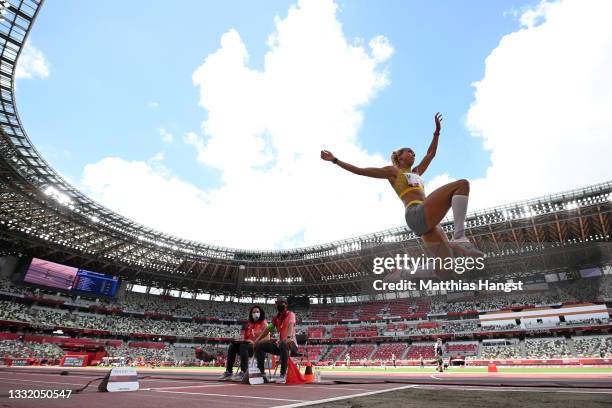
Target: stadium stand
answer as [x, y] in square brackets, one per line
[500, 352]
[148, 354]
[358, 352]
[385, 351]
[183, 318]
[316, 332]
[335, 352]
[547, 348]
[364, 331]
[417, 350]
[21, 349]
[462, 349]
[459, 326]
[371, 310]
[314, 353]
[339, 332]
[589, 346]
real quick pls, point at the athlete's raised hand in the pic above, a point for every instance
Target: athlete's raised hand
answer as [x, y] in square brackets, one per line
[438, 119]
[327, 155]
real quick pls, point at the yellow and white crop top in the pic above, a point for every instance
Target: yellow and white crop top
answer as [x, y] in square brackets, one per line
[407, 181]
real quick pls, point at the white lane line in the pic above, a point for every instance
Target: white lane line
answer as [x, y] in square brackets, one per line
[186, 386]
[175, 380]
[337, 388]
[12, 380]
[55, 374]
[229, 395]
[434, 377]
[363, 394]
[101, 375]
[511, 389]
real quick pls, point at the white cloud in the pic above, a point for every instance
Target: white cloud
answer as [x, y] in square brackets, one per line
[263, 131]
[438, 181]
[536, 15]
[153, 105]
[381, 48]
[32, 63]
[157, 157]
[166, 136]
[543, 105]
[138, 191]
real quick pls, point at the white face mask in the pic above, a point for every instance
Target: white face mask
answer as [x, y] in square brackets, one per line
[255, 316]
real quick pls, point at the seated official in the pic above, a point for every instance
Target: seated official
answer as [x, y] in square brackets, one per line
[284, 323]
[246, 346]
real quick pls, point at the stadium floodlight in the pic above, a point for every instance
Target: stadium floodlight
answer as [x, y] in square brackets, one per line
[6, 4]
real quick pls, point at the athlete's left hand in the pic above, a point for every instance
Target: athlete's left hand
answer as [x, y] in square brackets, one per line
[438, 119]
[327, 155]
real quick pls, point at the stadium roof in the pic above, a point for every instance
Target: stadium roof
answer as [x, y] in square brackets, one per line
[42, 215]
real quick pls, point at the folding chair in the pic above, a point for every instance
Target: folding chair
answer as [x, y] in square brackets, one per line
[302, 340]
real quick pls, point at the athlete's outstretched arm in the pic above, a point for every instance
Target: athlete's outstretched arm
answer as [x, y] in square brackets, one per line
[433, 147]
[375, 172]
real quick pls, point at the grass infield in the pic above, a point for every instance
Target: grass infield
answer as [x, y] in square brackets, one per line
[519, 370]
[427, 369]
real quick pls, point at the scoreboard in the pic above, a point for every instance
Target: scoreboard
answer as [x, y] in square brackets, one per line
[54, 275]
[96, 283]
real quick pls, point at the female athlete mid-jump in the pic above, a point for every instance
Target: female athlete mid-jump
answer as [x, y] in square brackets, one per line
[423, 213]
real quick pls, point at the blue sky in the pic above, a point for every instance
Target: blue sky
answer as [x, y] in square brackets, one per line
[107, 65]
[118, 76]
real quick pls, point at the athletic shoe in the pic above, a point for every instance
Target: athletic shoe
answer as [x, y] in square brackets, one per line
[266, 380]
[226, 376]
[282, 379]
[238, 376]
[466, 247]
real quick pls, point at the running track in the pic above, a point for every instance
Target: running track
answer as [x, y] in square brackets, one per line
[198, 389]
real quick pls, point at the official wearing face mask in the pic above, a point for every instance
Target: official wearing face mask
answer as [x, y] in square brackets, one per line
[284, 324]
[245, 346]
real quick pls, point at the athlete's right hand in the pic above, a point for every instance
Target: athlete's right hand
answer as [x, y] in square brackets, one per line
[327, 155]
[438, 120]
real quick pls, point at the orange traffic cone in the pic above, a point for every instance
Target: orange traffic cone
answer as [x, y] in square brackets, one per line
[293, 374]
[308, 375]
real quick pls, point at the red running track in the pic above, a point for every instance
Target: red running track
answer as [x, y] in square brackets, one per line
[167, 392]
[164, 388]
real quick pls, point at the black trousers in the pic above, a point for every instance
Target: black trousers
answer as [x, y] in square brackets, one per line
[279, 349]
[245, 350]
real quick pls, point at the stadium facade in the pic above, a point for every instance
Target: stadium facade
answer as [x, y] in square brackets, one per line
[558, 244]
[42, 215]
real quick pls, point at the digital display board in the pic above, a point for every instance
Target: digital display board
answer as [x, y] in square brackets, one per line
[50, 274]
[54, 275]
[97, 283]
[73, 361]
[19, 362]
